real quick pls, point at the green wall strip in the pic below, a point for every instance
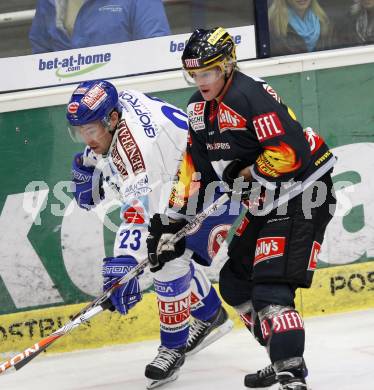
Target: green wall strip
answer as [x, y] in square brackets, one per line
[37, 259]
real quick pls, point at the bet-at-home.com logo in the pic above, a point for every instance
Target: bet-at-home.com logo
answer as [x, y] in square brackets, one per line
[75, 65]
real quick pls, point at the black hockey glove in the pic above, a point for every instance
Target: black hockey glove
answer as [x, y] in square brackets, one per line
[159, 250]
[237, 187]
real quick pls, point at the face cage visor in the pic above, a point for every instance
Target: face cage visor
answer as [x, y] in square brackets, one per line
[89, 131]
[207, 75]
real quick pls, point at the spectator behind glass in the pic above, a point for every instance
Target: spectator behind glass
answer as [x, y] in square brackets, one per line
[363, 21]
[298, 26]
[69, 24]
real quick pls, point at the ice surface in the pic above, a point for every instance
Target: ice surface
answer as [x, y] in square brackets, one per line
[339, 355]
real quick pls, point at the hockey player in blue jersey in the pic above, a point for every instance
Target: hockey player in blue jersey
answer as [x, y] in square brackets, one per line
[135, 145]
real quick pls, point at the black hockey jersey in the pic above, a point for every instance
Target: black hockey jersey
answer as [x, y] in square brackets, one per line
[250, 123]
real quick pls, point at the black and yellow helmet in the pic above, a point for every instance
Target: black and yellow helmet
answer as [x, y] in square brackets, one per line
[208, 48]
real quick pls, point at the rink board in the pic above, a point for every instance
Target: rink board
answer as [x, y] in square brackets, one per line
[51, 251]
[335, 289]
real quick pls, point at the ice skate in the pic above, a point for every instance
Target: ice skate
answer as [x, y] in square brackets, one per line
[293, 378]
[288, 382]
[204, 333]
[165, 366]
[262, 378]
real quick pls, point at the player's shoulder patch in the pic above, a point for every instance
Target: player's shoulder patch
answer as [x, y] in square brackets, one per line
[195, 112]
[269, 89]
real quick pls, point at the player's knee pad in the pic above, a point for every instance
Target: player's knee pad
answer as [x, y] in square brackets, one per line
[279, 319]
[234, 291]
[174, 305]
[251, 320]
[283, 332]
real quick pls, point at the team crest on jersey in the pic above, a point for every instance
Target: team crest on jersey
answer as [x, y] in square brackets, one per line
[195, 113]
[228, 119]
[277, 160]
[94, 97]
[216, 237]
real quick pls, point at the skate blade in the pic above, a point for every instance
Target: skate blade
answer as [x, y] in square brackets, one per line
[152, 384]
[214, 336]
[306, 388]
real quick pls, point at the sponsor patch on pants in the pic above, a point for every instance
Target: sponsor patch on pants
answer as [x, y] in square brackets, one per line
[313, 258]
[174, 312]
[285, 322]
[268, 248]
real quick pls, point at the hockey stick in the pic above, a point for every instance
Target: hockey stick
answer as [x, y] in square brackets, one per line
[102, 302]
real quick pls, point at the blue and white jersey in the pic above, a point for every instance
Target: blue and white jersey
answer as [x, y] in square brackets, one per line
[145, 153]
[140, 169]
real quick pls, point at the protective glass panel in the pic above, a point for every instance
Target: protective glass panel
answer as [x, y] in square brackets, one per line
[302, 26]
[40, 26]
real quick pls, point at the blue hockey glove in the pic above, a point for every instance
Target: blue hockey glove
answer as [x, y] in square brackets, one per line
[128, 295]
[159, 251]
[82, 178]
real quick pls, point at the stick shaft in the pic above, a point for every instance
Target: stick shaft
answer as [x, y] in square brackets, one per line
[99, 304]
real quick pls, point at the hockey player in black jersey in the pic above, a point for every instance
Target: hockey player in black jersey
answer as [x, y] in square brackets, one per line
[241, 132]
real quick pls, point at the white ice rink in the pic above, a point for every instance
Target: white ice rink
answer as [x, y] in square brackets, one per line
[339, 355]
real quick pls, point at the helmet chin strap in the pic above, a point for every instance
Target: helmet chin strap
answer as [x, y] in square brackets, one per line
[106, 123]
[227, 78]
[111, 132]
[227, 74]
